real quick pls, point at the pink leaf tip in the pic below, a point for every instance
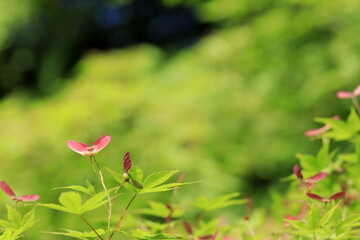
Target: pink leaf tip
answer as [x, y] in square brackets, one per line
[317, 131]
[315, 196]
[317, 177]
[28, 198]
[101, 142]
[7, 190]
[78, 147]
[356, 92]
[337, 195]
[344, 94]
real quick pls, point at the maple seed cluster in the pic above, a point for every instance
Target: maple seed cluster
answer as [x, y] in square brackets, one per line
[86, 150]
[98, 145]
[308, 183]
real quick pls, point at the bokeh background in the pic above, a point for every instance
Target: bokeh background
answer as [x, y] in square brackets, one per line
[221, 90]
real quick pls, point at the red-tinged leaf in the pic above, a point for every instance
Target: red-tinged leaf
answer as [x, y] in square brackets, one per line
[215, 234]
[301, 214]
[7, 190]
[337, 195]
[28, 198]
[187, 227]
[127, 162]
[206, 237]
[289, 217]
[316, 197]
[101, 142]
[303, 211]
[317, 177]
[78, 147]
[344, 94]
[169, 217]
[297, 172]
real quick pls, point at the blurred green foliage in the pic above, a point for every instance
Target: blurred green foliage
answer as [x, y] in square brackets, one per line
[13, 14]
[230, 110]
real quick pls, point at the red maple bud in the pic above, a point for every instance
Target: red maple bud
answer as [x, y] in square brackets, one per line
[127, 177]
[127, 162]
[297, 172]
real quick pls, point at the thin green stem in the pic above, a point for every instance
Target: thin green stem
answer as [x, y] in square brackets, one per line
[121, 184]
[200, 218]
[332, 233]
[176, 200]
[122, 216]
[117, 189]
[100, 178]
[92, 228]
[109, 208]
[251, 230]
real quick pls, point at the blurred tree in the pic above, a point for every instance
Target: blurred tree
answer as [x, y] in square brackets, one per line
[41, 41]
